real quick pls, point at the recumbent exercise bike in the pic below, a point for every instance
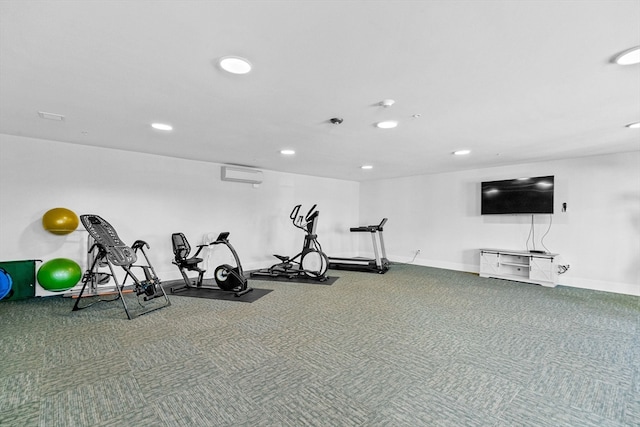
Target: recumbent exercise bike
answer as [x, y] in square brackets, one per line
[311, 262]
[227, 277]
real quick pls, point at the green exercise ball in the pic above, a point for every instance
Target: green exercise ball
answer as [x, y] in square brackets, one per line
[59, 274]
[60, 221]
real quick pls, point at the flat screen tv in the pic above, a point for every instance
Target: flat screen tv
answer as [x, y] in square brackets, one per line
[518, 196]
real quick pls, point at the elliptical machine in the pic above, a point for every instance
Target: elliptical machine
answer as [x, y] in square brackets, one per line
[311, 262]
[227, 277]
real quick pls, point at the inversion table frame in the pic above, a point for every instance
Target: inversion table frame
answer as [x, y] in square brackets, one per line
[111, 251]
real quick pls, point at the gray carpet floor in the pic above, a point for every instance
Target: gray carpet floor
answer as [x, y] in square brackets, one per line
[417, 346]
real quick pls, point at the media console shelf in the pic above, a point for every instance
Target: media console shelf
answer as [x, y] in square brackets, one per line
[521, 266]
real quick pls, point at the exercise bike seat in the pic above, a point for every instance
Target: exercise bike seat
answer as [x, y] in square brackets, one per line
[190, 261]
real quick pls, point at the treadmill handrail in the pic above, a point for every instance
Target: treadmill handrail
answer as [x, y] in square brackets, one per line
[370, 228]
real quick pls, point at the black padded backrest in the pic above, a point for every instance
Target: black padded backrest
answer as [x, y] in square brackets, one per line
[181, 247]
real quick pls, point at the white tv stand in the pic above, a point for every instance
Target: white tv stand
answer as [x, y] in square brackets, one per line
[521, 266]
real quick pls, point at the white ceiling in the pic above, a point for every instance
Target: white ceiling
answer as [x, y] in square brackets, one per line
[513, 81]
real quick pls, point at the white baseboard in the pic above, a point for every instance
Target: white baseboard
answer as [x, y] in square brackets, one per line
[599, 285]
[595, 285]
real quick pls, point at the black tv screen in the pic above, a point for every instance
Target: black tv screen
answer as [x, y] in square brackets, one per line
[518, 196]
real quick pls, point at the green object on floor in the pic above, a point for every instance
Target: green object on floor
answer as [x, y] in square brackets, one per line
[23, 277]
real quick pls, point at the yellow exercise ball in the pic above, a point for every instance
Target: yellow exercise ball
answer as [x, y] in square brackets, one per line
[60, 221]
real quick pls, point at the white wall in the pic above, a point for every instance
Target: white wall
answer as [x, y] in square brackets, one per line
[598, 236]
[149, 197]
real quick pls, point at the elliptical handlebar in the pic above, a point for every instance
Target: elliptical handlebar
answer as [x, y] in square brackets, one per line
[311, 213]
[294, 212]
[300, 221]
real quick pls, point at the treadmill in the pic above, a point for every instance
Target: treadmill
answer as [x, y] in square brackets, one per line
[380, 264]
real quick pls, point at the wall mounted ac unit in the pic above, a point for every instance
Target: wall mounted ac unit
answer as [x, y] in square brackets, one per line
[238, 174]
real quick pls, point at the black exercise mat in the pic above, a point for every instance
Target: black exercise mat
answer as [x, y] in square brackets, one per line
[208, 293]
[305, 280]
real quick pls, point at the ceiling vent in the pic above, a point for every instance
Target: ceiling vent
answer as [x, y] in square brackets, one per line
[238, 174]
[51, 116]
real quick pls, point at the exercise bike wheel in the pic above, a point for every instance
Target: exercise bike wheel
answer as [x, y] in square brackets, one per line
[227, 277]
[314, 263]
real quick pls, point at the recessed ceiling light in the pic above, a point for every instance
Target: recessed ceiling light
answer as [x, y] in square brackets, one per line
[161, 126]
[461, 152]
[635, 125]
[235, 65]
[389, 124]
[287, 152]
[628, 57]
[366, 167]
